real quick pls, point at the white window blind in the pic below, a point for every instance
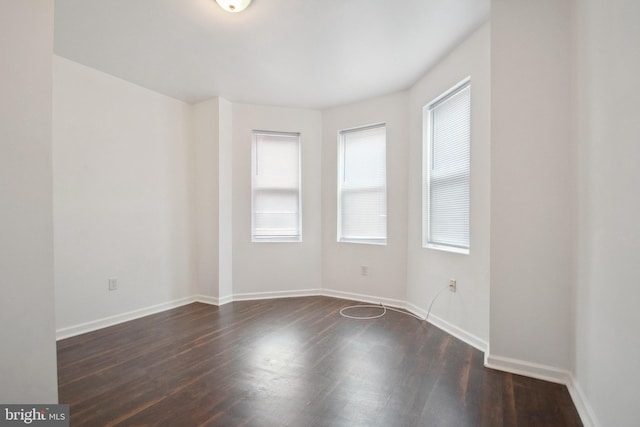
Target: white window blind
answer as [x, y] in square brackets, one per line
[276, 194]
[447, 164]
[362, 185]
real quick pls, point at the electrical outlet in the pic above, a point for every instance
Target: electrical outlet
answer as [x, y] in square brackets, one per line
[113, 284]
[453, 285]
[364, 270]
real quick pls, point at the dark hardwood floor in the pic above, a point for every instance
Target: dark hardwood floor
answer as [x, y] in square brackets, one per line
[292, 362]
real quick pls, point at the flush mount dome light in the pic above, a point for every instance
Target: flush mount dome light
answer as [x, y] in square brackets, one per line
[233, 5]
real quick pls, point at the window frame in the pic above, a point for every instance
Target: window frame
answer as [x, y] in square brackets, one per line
[427, 146]
[254, 164]
[382, 241]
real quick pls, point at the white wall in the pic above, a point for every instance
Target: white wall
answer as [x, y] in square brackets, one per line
[121, 195]
[28, 355]
[430, 270]
[225, 199]
[213, 199]
[607, 43]
[342, 261]
[532, 183]
[276, 267]
[205, 195]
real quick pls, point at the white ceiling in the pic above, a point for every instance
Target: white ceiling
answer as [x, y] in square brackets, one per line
[297, 53]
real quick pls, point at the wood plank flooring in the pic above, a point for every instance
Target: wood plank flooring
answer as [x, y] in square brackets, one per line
[292, 362]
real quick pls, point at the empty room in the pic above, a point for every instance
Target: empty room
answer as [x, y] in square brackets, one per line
[319, 213]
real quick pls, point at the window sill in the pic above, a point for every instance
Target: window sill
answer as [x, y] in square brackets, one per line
[444, 248]
[272, 240]
[378, 242]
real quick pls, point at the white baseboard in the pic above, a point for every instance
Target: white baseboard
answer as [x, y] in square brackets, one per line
[94, 325]
[104, 322]
[449, 328]
[255, 296]
[225, 300]
[459, 333]
[301, 293]
[515, 366]
[547, 373]
[585, 410]
[205, 299]
[528, 369]
[275, 294]
[370, 299]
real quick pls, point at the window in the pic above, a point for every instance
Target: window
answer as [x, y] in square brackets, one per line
[446, 169]
[275, 187]
[362, 185]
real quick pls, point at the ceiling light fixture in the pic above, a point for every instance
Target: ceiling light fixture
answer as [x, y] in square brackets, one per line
[233, 6]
